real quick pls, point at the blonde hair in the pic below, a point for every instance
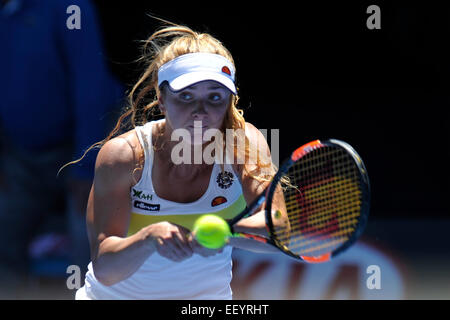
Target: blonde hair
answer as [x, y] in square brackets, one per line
[163, 46]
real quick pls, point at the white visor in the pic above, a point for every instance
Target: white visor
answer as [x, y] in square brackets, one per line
[191, 68]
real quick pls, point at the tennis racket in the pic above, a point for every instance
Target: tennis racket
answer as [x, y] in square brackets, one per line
[326, 202]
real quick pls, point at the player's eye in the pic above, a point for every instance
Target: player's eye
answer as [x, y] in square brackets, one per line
[215, 97]
[186, 96]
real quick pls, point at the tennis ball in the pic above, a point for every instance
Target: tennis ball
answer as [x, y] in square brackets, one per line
[211, 231]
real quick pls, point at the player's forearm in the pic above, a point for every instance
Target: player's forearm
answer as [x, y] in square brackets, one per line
[252, 245]
[254, 225]
[118, 258]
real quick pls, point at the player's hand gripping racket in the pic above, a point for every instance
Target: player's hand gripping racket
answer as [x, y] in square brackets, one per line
[326, 202]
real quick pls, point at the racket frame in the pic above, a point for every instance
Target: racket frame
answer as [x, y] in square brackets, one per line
[268, 193]
[365, 198]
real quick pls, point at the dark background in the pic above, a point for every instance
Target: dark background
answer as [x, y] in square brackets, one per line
[316, 71]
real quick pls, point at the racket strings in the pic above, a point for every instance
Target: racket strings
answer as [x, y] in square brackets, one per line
[307, 228]
[324, 208]
[345, 227]
[314, 236]
[326, 211]
[321, 199]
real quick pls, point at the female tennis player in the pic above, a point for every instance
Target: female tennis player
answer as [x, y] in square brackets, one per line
[143, 201]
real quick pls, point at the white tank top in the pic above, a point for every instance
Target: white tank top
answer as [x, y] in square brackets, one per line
[160, 278]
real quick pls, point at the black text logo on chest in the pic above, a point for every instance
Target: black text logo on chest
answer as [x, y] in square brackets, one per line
[146, 206]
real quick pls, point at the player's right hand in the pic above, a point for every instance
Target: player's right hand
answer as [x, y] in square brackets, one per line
[170, 240]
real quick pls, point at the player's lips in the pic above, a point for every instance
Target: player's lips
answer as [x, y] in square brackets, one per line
[197, 127]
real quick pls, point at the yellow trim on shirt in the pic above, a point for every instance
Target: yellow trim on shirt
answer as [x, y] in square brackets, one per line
[138, 221]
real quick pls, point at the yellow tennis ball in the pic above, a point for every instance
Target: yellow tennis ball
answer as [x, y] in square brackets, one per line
[211, 231]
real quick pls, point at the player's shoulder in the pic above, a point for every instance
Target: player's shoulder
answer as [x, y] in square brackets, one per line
[249, 127]
[254, 135]
[119, 152]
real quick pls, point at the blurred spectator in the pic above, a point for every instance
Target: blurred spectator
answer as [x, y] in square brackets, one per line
[56, 92]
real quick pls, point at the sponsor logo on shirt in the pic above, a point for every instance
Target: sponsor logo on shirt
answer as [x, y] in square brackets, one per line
[146, 206]
[225, 179]
[141, 195]
[218, 201]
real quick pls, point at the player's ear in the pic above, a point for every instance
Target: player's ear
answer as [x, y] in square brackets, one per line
[161, 99]
[161, 102]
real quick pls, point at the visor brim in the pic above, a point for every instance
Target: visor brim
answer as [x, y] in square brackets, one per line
[189, 79]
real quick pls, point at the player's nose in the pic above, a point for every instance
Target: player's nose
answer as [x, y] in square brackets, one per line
[199, 110]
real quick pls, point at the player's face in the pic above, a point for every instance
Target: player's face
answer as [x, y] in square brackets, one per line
[205, 101]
